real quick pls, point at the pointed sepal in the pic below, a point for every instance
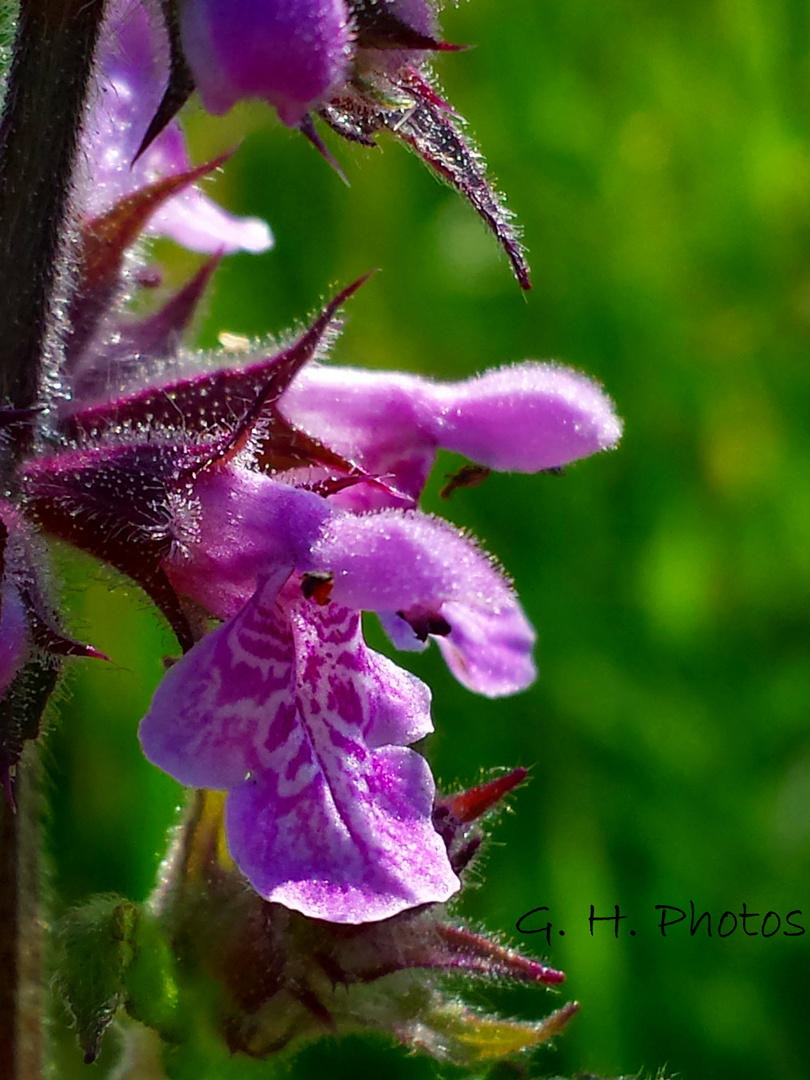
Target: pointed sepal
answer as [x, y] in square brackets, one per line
[454, 816]
[106, 237]
[411, 109]
[454, 1033]
[109, 365]
[180, 86]
[197, 403]
[437, 137]
[105, 240]
[467, 806]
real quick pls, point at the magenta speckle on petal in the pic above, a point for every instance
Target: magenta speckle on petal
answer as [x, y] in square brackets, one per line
[353, 846]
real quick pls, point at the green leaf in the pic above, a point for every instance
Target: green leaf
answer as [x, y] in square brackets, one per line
[113, 954]
[95, 947]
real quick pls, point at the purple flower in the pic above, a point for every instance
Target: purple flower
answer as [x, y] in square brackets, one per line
[358, 65]
[133, 68]
[254, 519]
[292, 53]
[524, 418]
[286, 707]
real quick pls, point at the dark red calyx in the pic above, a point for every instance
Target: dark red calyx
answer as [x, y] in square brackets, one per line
[156, 336]
[116, 504]
[479, 954]
[437, 138]
[107, 237]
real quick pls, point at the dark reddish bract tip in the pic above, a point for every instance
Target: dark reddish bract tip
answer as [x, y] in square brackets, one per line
[471, 804]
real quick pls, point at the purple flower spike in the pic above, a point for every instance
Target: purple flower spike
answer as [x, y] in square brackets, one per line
[134, 56]
[232, 492]
[292, 53]
[286, 707]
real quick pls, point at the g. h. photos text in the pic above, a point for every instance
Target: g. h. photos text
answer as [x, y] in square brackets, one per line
[666, 920]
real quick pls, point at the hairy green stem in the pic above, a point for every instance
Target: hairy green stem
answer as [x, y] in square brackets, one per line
[40, 129]
[21, 1005]
[21, 992]
[39, 135]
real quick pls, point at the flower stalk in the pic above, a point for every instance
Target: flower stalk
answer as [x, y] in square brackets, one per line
[44, 106]
[39, 136]
[21, 992]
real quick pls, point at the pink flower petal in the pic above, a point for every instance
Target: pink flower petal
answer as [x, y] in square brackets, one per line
[285, 706]
[522, 418]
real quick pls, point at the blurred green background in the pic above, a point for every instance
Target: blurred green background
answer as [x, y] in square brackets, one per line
[658, 157]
